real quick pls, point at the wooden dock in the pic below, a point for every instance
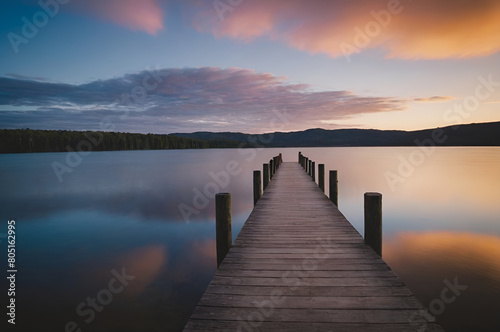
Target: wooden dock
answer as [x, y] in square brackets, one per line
[299, 265]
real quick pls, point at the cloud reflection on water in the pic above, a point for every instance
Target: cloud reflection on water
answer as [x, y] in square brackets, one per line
[425, 259]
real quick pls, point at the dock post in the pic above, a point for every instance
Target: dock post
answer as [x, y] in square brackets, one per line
[307, 165]
[281, 158]
[223, 225]
[271, 173]
[373, 221]
[334, 189]
[300, 157]
[313, 173]
[275, 166]
[265, 175]
[257, 191]
[310, 168]
[321, 177]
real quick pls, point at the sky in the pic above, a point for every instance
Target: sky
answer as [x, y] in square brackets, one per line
[254, 66]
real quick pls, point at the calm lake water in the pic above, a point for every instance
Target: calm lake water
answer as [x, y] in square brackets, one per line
[113, 230]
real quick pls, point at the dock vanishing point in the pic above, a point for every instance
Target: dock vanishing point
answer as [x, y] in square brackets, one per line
[299, 265]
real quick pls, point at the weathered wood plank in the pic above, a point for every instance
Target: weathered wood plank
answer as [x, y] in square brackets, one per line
[290, 279]
[237, 273]
[328, 266]
[294, 261]
[222, 325]
[332, 291]
[377, 316]
[316, 302]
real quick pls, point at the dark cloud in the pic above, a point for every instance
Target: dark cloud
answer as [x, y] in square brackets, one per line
[189, 99]
[24, 77]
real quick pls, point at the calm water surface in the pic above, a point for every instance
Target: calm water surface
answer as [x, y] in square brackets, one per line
[119, 214]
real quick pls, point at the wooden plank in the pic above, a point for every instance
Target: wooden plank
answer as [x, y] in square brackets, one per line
[316, 302]
[377, 316]
[354, 255]
[331, 291]
[298, 264]
[259, 266]
[237, 273]
[290, 279]
[223, 325]
[332, 259]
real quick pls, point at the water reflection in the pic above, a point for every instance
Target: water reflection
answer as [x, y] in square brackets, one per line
[145, 264]
[171, 263]
[424, 260]
[120, 209]
[450, 189]
[148, 185]
[139, 268]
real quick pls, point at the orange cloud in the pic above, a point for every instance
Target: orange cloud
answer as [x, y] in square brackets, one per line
[145, 264]
[433, 99]
[137, 15]
[478, 252]
[424, 29]
[199, 257]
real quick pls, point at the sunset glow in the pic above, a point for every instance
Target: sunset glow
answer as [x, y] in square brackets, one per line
[477, 251]
[182, 66]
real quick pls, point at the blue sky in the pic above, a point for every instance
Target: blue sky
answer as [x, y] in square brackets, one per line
[229, 65]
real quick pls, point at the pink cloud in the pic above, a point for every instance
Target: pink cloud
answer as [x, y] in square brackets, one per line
[192, 99]
[424, 29]
[137, 15]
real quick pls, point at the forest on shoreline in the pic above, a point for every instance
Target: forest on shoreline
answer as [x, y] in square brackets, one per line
[28, 141]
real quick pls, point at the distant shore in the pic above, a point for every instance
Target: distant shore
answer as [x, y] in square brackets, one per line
[29, 140]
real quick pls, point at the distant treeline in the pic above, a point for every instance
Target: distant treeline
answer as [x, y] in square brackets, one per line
[27, 140]
[474, 134]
